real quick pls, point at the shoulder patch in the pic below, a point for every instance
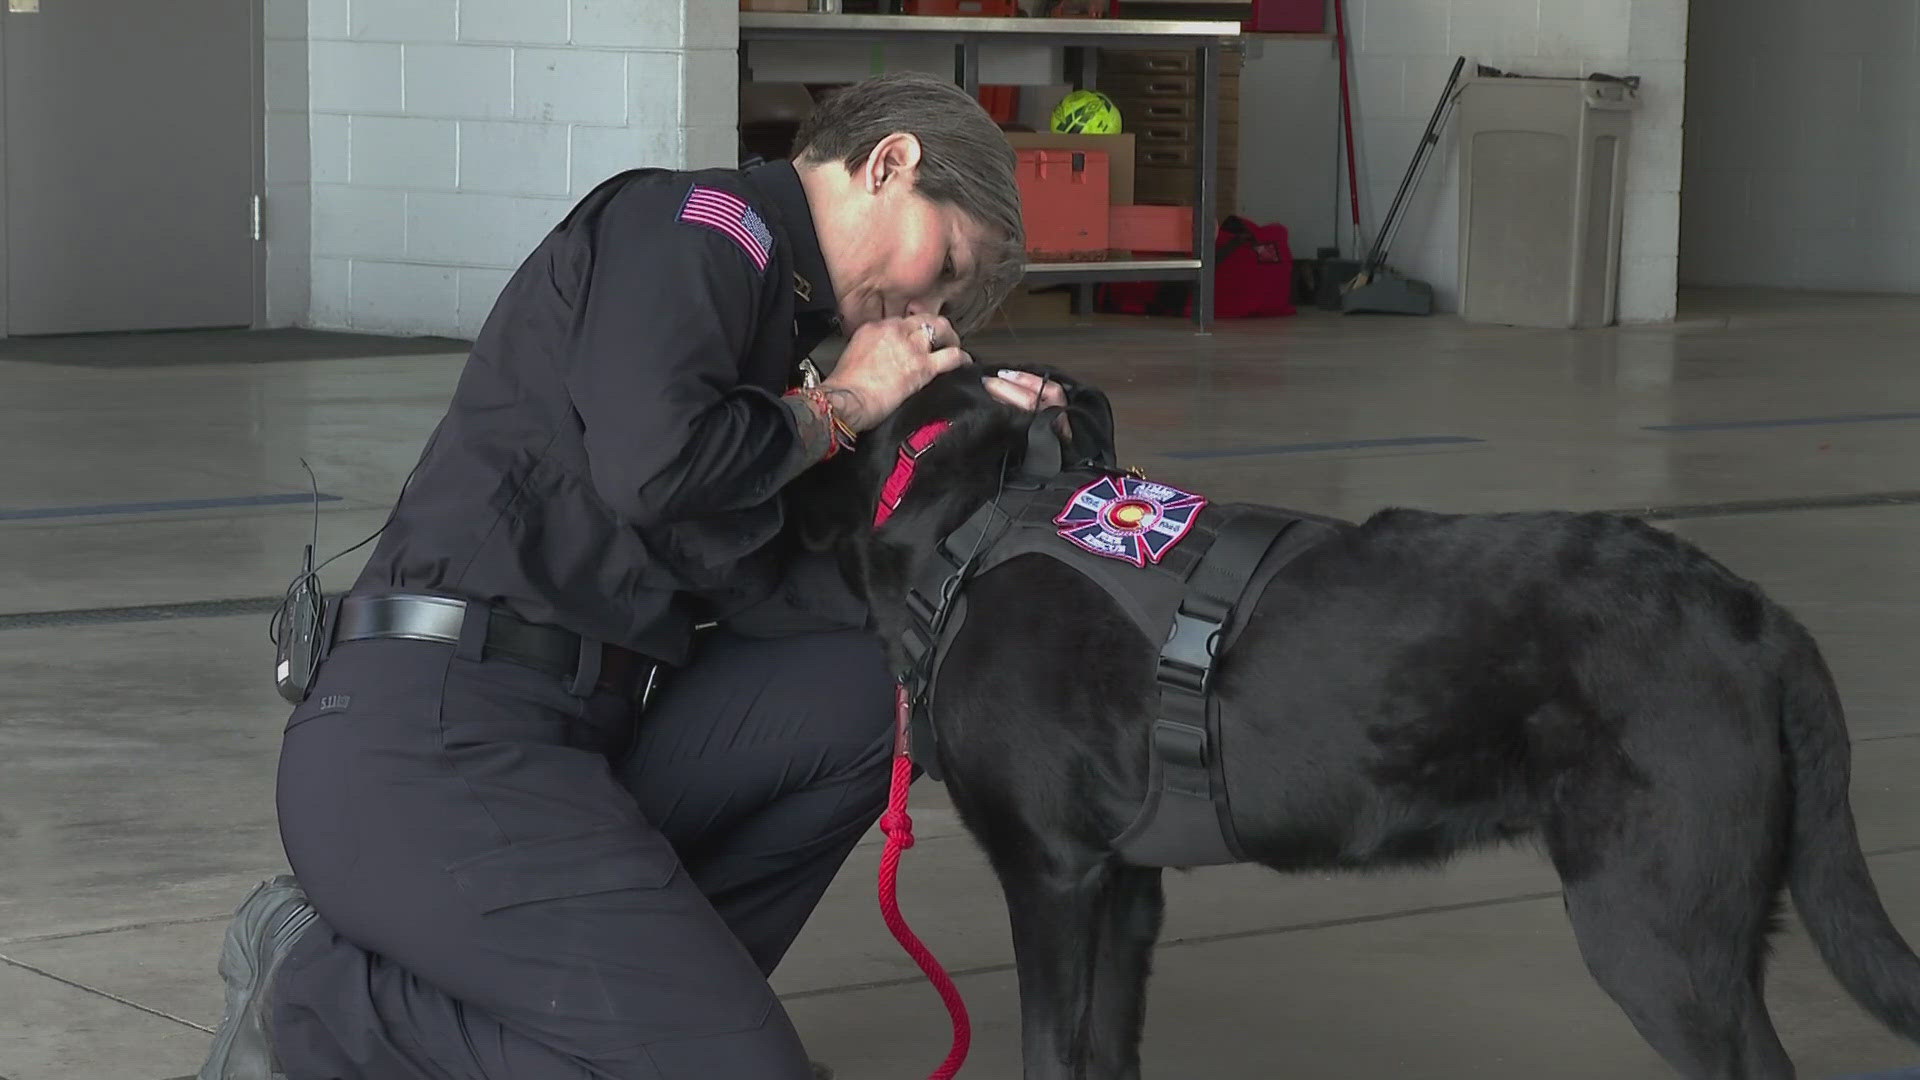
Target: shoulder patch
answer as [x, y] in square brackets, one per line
[1126, 518]
[729, 215]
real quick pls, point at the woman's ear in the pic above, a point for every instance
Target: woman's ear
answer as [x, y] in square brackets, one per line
[894, 156]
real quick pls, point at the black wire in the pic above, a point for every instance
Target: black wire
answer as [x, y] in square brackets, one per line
[924, 674]
[1000, 489]
[313, 482]
[310, 577]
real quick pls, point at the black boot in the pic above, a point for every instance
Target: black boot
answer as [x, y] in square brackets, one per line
[263, 930]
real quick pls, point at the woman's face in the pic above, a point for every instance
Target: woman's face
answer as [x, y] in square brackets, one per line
[890, 251]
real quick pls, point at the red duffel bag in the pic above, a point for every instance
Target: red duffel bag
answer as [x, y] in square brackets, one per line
[1252, 278]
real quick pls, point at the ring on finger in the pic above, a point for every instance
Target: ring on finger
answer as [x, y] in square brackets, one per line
[933, 336]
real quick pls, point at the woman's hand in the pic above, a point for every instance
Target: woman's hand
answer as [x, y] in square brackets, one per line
[886, 361]
[1025, 390]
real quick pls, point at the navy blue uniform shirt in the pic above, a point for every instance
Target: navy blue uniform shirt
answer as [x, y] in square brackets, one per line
[611, 459]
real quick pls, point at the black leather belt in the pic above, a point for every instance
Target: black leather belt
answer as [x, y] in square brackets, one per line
[362, 617]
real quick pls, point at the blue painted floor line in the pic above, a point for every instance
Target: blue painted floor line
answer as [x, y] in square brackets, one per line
[1791, 421]
[102, 509]
[1309, 447]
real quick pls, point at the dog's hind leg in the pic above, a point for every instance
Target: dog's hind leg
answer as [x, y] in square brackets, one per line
[1053, 895]
[1699, 1007]
[1672, 900]
[1129, 925]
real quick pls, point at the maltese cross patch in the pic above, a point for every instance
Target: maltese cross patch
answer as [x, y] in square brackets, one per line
[1122, 517]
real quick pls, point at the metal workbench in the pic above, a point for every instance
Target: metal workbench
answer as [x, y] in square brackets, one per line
[966, 35]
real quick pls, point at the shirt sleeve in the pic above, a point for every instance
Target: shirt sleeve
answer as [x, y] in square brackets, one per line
[664, 314]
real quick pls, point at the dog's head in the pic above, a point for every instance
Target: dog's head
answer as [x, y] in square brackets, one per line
[917, 476]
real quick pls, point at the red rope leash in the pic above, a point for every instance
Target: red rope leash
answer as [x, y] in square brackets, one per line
[899, 830]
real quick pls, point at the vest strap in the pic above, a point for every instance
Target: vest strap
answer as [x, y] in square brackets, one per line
[1186, 819]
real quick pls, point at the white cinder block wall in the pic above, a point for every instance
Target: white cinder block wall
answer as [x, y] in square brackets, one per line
[1402, 52]
[1803, 146]
[445, 136]
[289, 200]
[1290, 142]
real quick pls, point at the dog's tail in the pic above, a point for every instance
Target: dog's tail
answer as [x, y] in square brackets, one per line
[1826, 871]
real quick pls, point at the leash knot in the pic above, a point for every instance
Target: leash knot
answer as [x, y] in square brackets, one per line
[898, 826]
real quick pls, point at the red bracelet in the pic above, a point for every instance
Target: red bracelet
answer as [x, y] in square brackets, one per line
[839, 435]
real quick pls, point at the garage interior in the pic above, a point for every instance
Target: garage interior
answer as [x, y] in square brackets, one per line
[247, 237]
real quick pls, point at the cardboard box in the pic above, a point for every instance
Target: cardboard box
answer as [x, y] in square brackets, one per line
[1048, 306]
[1158, 229]
[1119, 150]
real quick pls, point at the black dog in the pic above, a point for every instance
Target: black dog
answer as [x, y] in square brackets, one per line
[1422, 684]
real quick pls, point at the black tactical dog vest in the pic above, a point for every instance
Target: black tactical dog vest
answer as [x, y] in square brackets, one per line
[1185, 571]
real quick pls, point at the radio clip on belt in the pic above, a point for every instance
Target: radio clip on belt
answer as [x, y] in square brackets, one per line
[299, 634]
[301, 628]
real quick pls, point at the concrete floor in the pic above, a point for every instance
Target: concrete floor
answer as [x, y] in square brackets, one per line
[138, 725]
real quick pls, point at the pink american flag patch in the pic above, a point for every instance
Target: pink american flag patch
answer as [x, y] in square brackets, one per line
[729, 214]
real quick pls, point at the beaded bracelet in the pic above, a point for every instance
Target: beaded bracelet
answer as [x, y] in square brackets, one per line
[844, 434]
[839, 435]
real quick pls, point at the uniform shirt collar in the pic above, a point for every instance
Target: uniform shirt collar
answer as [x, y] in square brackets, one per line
[779, 184]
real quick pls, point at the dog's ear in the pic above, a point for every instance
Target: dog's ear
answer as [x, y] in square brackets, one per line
[1089, 415]
[982, 435]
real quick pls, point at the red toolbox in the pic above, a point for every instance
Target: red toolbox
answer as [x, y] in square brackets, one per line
[1001, 102]
[1064, 203]
[1287, 17]
[1151, 228]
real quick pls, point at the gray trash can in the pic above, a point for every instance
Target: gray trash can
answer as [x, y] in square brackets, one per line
[1543, 166]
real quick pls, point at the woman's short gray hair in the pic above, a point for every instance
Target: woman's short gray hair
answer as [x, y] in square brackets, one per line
[965, 162]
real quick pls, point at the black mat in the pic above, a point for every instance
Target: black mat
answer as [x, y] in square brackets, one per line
[216, 347]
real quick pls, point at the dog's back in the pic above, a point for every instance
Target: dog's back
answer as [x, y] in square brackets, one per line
[1469, 673]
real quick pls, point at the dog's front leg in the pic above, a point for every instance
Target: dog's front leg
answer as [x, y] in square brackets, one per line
[1129, 917]
[1051, 904]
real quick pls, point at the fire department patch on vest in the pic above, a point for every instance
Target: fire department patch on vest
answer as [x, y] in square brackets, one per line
[1125, 518]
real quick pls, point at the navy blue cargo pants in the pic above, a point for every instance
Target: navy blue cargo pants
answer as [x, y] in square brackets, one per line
[516, 882]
